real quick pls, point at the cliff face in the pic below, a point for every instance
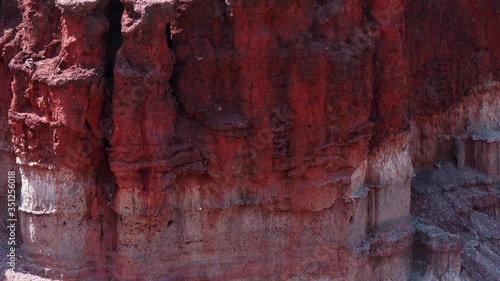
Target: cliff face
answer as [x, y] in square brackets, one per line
[250, 140]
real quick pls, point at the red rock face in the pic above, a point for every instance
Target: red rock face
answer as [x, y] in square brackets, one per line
[9, 20]
[454, 56]
[212, 140]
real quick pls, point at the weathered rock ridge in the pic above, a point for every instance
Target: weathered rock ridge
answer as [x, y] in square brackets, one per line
[251, 140]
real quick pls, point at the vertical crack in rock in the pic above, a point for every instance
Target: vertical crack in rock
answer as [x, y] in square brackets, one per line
[113, 40]
[106, 180]
[108, 218]
[113, 37]
[168, 31]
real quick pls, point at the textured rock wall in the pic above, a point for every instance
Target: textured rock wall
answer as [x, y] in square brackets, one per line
[455, 72]
[9, 20]
[455, 68]
[474, 120]
[457, 222]
[56, 64]
[258, 145]
[223, 140]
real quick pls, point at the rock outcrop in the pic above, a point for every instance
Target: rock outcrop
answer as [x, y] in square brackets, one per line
[243, 139]
[457, 221]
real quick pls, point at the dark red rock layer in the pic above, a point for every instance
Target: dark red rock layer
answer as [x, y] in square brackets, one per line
[454, 61]
[217, 140]
[452, 47]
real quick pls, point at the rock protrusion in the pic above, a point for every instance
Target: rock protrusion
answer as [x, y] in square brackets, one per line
[459, 153]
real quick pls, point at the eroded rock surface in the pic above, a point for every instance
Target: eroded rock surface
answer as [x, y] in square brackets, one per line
[242, 140]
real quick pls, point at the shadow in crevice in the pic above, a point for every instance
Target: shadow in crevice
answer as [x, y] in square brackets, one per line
[113, 38]
[168, 31]
[106, 180]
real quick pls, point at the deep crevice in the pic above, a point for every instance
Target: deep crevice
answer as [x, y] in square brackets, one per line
[106, 180]
[113, 38]
[113, 41]
[168, 31]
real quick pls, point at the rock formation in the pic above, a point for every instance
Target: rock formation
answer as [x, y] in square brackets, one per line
[251, 140]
